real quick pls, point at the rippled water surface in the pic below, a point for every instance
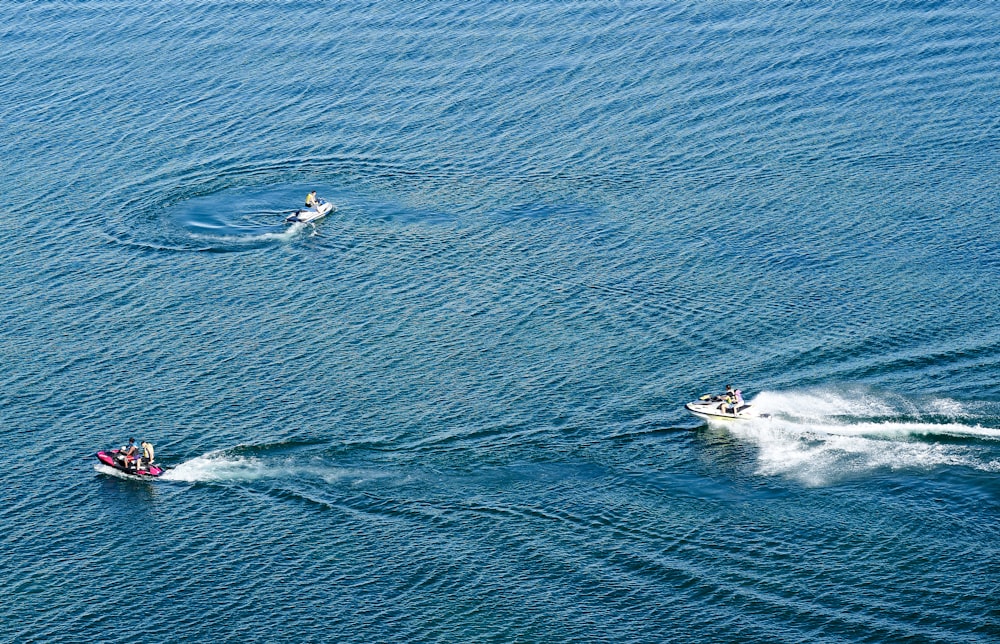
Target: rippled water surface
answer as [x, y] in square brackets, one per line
[452, 410]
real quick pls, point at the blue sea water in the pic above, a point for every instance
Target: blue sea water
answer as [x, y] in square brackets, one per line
[453, 410]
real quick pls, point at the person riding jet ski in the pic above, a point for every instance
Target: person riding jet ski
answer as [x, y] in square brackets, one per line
[732, 400]
[126, 455]
[147, 456]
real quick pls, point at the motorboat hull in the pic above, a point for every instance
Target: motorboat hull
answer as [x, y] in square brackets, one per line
[716, 410]
[309, 215]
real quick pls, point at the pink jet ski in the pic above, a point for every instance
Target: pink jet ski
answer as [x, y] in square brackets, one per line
[135, 467]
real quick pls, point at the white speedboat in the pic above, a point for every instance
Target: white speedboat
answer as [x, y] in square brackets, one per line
[716, 408]
[309, 215]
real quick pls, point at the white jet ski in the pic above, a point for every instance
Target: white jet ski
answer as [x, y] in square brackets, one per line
[309, 215]
[716, 408]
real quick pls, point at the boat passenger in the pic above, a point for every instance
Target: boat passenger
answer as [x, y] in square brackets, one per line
[737, 401]
[147, 455]
[728, 399]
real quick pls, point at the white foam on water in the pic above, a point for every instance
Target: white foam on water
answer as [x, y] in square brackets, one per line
[285, 235]
[819, 437]
[221, 467]
[110, 471]
[823, 404]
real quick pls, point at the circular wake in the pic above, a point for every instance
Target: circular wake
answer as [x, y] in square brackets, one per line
[230, 222]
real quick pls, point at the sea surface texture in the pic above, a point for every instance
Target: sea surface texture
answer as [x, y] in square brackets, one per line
[453, 410]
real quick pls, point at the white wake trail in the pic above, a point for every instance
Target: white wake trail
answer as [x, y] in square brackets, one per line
[821, 436]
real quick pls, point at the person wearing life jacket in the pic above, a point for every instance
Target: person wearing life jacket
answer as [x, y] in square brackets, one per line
[728, 400]
[147, 455]
[312, 200]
